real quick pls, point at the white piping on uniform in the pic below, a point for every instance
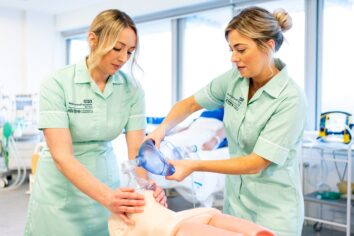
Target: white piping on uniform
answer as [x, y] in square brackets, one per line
[55, 112]
[135, 116]
[274, 144]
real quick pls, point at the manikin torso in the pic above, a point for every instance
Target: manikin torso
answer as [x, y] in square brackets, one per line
[158, 220]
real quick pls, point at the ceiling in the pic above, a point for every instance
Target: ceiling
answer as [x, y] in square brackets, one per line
[48, 6]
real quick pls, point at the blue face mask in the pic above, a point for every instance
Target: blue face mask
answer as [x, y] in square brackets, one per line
[152, 160]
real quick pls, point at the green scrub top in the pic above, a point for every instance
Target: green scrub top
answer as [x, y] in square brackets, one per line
[271, 125]
[69, 98]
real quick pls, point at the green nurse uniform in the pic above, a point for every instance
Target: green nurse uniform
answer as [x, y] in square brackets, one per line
[69, 98]
[271, 125]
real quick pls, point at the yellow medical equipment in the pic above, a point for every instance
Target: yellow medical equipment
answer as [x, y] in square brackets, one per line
[335, 127]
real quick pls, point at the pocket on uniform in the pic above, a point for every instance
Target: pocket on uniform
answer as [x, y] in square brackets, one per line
[50, 185]
[249, 194]
[83, 126]
[249, 134]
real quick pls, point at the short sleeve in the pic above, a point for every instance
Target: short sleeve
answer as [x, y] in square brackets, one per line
[212, 96]
[284, 130]
[136, 119]
[52, 107]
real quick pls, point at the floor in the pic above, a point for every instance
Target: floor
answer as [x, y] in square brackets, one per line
[13, 205]
[13, 209]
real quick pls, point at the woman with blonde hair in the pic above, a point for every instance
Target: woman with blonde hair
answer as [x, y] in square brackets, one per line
[264, 119]
[82, 108]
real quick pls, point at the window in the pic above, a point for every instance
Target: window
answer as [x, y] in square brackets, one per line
[338, 48]
[292, 52]
[155, 59]
[206, 53]
[78, 49]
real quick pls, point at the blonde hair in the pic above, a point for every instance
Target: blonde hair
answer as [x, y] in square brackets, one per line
[107, 26]
[261, 26]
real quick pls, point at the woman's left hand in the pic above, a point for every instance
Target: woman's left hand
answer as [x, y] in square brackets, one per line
[183, 168]
[159, 194]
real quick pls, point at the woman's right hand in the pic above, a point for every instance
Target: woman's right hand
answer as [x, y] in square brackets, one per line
[124, 201]
[157, 135]
[183, 168]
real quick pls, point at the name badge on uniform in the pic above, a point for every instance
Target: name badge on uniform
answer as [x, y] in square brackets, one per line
[84, 107]
[234, 102]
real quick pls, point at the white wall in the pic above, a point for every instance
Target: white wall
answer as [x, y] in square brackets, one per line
[11, 51]
[28, 47]
[40, 42]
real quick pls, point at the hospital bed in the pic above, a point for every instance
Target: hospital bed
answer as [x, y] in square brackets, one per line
[200, 187]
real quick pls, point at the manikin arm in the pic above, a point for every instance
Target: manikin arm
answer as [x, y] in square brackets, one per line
[215, 141]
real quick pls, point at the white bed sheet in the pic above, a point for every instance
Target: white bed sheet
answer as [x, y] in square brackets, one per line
[211, 183]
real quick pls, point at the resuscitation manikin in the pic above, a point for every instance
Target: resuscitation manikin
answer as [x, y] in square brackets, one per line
[157, 220]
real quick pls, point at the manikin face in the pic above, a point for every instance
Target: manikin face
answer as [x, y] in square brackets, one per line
[250, 60]
[121, 52]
